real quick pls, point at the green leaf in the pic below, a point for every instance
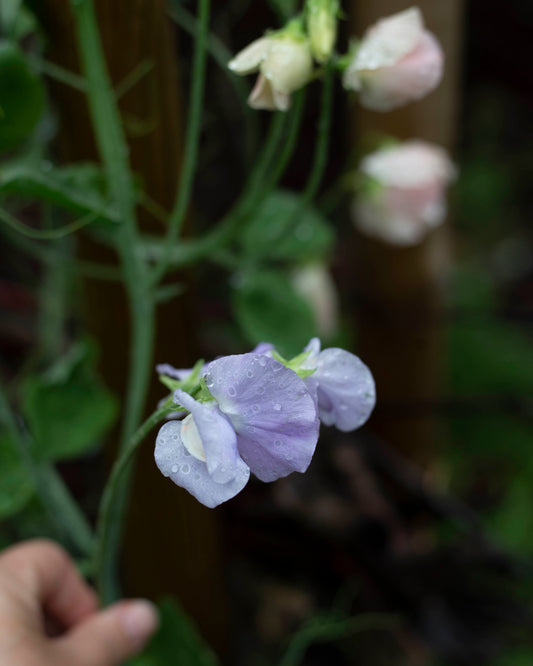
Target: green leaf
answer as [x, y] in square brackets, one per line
[16, 487]
[22, 97]
[283, 228]
[78, 187]
[68, 409]
[269, 310]
[9, 10]
[176, 641]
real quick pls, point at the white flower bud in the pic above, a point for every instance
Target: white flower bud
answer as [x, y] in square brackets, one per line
[284, 63]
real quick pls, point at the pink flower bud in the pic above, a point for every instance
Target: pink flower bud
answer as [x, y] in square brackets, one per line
[284, 63]
[397, 62]
[406, 193]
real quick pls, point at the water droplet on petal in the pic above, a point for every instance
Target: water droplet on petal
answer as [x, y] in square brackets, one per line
[232, 391]
[175, 468]
[185, 469]
[250, 373]
[278, 442]
[276, 407]
[262, 361]
[260, 390]
[255, 408]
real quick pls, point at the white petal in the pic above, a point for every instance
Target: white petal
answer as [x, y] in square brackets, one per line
[186, 471]
[249, 59]
[263, 96]
[288, 64]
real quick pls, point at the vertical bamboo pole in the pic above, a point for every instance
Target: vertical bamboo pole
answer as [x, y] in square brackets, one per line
[171, 543]
[399, 315]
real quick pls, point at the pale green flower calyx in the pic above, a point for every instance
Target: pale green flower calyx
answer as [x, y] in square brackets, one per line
[322, 17]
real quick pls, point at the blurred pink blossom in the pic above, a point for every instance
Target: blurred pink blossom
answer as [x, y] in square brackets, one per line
[405, 192]
[398, 61]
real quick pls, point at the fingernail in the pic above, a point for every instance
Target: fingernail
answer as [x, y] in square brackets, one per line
[139, 619]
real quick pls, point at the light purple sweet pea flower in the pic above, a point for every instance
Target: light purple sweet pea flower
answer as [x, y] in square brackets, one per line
[343, 385]
[271, 410]
[262, 419]
[200, 453]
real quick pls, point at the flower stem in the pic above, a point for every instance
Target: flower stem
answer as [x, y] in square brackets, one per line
[114, 152]
[51, 490]
[322, 143]
[112, 497]
[325, 630]
[192, 141]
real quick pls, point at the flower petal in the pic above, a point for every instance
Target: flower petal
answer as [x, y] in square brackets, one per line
[263, 96]
[176, 462]
[288, 65]
[170, 371]
[346, 391]
[411, 78]
[390, 39]
[249, 59]
[263, 348]
[271, 410]
[216, 435]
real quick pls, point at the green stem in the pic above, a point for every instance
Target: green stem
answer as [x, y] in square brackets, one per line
[114, 152]
[112, 493]
[53, 300]
[326, 630]
[290, 141]
[190, 251]
[322, 143]
[192, 141]
[222, 55]
[46, 234]
[60, 74]
[59, 503]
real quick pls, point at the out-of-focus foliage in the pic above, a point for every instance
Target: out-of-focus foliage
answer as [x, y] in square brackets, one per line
[282, 228]
[267, 307]
[176, 641]
[67, 408]
[15, 485]
[21, 97]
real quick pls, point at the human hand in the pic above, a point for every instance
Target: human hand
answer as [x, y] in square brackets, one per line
[49, 616]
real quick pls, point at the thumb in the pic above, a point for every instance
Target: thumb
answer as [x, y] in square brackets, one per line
[110, 636]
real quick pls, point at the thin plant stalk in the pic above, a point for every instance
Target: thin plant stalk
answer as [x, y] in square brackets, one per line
[192, 142]
[114, 152]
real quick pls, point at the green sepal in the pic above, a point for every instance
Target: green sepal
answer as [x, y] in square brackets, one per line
[194, 384]
[295, 363]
